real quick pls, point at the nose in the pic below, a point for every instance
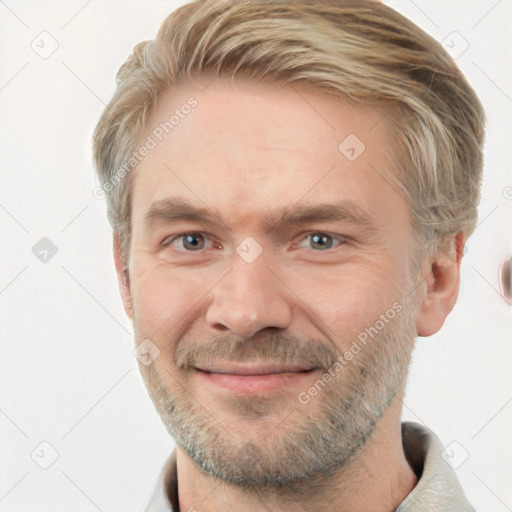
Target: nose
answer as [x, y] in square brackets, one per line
[249, 298]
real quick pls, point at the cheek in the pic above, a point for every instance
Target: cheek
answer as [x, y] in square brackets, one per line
[160, 299]
[167, 300]
[351, 298]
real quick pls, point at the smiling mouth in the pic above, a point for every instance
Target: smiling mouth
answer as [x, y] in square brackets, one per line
[255, 368]
[251, 379]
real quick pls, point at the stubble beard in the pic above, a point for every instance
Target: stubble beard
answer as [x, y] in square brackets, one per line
[301, 447]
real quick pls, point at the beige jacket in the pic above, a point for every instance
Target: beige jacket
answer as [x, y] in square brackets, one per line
[437, 490]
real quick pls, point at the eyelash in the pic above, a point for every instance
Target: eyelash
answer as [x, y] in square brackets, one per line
[340, 238]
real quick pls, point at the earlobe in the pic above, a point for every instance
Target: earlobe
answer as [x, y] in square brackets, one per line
[441, 276]
[123, 276]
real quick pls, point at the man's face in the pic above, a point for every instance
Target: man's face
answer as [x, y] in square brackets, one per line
[255, 284]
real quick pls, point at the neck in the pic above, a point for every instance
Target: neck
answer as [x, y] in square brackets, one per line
[378, 478]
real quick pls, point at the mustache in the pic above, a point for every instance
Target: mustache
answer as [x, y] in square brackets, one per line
[266, 348]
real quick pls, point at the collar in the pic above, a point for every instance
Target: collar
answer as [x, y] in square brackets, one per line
[437, 488]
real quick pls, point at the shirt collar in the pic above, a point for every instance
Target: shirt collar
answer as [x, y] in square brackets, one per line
[437, 488]
[165, 494]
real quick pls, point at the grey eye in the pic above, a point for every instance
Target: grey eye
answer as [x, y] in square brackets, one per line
[321, 241]
[193, 241]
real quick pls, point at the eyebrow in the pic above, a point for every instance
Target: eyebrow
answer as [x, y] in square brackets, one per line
[175, 209]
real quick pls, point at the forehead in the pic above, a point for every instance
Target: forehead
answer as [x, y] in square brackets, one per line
[246, 146]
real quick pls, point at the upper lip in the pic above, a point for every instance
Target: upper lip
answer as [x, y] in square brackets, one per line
[255, 368]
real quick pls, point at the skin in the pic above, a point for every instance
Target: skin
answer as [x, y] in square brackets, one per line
[247, 149]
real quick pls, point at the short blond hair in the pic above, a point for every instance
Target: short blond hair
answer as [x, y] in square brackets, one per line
[362, 51]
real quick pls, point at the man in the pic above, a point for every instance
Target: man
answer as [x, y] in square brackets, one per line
[290, 186]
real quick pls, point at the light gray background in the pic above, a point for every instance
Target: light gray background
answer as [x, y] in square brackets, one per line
[68, 374]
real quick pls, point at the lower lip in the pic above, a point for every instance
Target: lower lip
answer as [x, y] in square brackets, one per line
[249, 384]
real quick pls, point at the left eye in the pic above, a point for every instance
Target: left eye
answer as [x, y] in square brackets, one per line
[323, 241]
[192, 241]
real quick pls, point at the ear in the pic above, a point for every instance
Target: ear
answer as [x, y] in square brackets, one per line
[441, 286]
[123, 277]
